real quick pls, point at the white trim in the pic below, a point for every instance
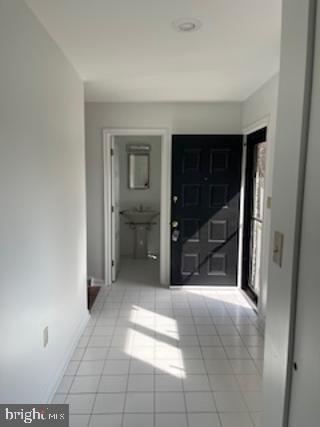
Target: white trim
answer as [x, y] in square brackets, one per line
[165, 203]
[97, 281]
[113, 214]
[258, 124]
[252, 305]
[241, 211]
[227, 288]
[57, 377]
[107, 139]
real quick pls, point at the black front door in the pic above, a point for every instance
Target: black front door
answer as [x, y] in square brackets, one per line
[206, 174]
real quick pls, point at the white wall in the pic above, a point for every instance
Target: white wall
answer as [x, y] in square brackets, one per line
[288, 167]
[43, 221]
[134, 198]
[258, 110]
[176, 117]
[305, 397]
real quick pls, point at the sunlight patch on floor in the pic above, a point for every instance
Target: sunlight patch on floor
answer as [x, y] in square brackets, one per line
[154, 340]
[224, 298]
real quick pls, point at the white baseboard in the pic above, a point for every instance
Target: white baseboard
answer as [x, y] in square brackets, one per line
[57, 377]
[100, 282]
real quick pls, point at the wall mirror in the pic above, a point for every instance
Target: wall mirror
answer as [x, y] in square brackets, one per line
[138, 166]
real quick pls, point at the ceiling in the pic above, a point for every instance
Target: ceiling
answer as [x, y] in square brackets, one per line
[128, 51]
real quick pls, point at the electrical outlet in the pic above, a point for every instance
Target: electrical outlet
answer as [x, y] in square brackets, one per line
[278, 248]
[45, 336]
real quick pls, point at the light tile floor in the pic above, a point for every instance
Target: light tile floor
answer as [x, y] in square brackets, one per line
[154, 357]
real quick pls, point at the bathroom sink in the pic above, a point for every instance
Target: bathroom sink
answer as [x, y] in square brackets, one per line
[136, 216]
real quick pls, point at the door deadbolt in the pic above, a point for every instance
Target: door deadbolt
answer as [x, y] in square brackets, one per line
[175, 224]
[175, 235]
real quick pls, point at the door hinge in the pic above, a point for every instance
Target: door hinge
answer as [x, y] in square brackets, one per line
[112, 152]
[112, 263]
[112, 208]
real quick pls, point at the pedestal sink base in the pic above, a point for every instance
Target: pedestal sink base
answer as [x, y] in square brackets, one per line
[140, 221]
[140, 241]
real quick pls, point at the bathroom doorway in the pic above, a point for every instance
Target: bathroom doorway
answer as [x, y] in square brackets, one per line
[136, 170]
[137, 187]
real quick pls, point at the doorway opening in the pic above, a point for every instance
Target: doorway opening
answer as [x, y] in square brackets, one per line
[136, 166]
[254, 212]
[136, 208]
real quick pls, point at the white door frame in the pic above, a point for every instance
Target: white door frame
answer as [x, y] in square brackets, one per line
[115, 180]
[241, 210]
[165, 201]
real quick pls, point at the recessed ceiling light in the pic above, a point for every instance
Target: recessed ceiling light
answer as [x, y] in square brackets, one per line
[187, 25]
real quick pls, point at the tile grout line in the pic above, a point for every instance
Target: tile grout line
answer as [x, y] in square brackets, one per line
[128, 377]
[210, 385]
[182, 379]
[93, 403]
[85, 349]
[236, 374]
[202, 354]
[105, 360]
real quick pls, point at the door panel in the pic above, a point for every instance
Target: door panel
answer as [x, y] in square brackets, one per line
[206, 173]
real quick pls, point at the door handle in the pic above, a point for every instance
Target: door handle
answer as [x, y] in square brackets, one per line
[175, 235]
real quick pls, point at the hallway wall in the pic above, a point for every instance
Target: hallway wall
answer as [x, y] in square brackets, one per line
[305, 387]
[291, 138]
[43, 221]
[182, 118]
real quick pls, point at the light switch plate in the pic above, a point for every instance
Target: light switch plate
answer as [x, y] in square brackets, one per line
[269, 201]
[278, 248]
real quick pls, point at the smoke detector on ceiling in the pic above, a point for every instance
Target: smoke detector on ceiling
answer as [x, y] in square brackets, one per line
[187, 25]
